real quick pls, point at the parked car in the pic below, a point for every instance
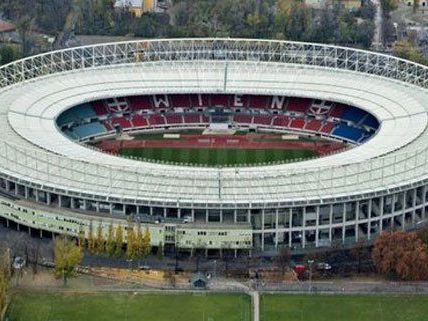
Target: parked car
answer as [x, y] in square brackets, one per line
[322, 266]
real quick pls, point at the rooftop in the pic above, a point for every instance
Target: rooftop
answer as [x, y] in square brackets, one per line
[6, 26]
[34, 149]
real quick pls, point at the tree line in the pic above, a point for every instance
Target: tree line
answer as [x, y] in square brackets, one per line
[5, 275]
[138, 242]
[68, 253]
[274, 19]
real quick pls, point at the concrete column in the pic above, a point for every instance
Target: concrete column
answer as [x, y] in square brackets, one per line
[111, 208]
[26, 192]
[206, 216]
[263, 226]
[414, 205]
[369, 224]
[7, 186]
[221, 216]
[276, 228]
[317, 225]
[235, 215]
[290, 215]
[303, 227]
[36, 191]
[164, 212]
[179, 212]
[48, 198]
[59, 200]
[357, 218]
[382, 199]
[330, 220]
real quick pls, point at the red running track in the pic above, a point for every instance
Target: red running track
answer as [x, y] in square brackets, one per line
[223, 141]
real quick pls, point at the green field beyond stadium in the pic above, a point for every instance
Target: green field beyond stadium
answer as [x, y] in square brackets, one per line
[129, 307]
[218, 156]
[277, 307]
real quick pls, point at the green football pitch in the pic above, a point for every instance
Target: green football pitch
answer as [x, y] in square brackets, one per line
[217, 157]
[343, 308]
[129, 307]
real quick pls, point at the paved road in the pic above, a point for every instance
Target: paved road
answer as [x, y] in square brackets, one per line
[255, 302]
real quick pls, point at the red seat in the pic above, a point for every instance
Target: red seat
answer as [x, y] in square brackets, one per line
[299, 104]
[156, 120]
[239, 101]
[262, 119]
[140, 102]
[298, 123]
[313, 125]
[180, 100]
[122, 121]
[174, 119]
[200, 100]
[100, 108]
[327, 128]
[221, 100]
[192, 118]
[259, 102]
[337, 111]
[281, 121]
[139, 121]
[243, 119]
[108, 126]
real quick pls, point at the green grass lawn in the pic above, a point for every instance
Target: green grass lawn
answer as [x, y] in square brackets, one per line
[129, 307]
[343, 308]
[214, 156]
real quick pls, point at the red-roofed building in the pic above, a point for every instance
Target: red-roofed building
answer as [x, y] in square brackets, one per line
[7, 31]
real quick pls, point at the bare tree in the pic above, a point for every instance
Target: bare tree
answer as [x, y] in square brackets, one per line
[282, 260]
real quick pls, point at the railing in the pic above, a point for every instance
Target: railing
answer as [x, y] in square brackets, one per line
[214, 49]
[47, 168]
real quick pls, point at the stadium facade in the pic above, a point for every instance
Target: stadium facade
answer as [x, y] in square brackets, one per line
[53, 183]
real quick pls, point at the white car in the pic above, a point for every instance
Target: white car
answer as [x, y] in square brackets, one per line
[323, 266]
[187, 219]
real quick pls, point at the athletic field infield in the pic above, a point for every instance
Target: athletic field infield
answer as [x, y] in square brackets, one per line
[218, 156]
[278, 307]
[129, 307]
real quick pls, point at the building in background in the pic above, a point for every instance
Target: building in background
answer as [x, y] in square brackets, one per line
[137, 7]
[7, 31]
[348, 4]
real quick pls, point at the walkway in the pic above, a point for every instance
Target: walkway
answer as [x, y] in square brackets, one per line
[255, 304]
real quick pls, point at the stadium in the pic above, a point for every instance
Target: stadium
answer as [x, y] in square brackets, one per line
[314, 145]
